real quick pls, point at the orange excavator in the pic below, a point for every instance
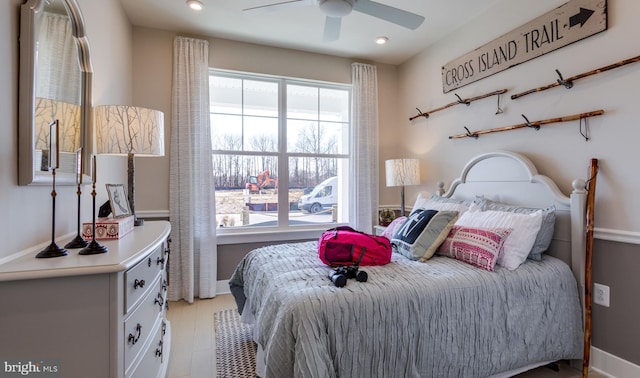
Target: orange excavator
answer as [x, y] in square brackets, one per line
[261, 181]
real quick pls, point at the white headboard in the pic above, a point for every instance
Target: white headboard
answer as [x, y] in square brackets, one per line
[511, 178]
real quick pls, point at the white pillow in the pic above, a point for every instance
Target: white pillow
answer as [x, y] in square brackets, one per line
[518, 244]
[427, 202]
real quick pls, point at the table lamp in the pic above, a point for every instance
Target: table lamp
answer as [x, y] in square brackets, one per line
[131, 131]
[402, 172]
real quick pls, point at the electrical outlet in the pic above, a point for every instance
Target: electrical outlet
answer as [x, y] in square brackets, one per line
[601, 294]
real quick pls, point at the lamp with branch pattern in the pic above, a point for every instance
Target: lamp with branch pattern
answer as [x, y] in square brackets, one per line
[131, 131]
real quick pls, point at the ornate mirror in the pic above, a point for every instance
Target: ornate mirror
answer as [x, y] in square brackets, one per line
[55, 84]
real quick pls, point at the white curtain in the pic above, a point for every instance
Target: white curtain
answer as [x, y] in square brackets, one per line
[193, 264]
[58, 66]
[364, 166]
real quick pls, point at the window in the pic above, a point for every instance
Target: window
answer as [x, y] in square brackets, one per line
[280, 152]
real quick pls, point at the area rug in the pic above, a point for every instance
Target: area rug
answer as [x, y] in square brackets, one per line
[235, 348]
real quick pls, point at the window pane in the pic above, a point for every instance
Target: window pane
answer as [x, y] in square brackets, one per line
[334, 105]
[246, 125]
[246, 190]
[226, 132]
[302, 102]
[334, 138]
[260, 134]
[318, 186]
[308, 137]
[302, 136]
[225, 95]
[260, 98]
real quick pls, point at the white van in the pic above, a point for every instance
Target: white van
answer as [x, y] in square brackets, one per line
[323, 196]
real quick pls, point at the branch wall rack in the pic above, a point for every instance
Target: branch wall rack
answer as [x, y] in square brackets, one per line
[535, 124]
[466, 101]
[568, 83]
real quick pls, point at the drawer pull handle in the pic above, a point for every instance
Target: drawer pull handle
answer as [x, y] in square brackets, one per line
[134, 339]
[159, 349]
[164, 285]
[149, 262]
[164, 328]
[138, 283]
[160, 261]
[159, 301]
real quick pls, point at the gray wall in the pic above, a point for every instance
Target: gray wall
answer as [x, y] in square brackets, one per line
[615, 328]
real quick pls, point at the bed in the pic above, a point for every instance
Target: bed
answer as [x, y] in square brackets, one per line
[441, 317]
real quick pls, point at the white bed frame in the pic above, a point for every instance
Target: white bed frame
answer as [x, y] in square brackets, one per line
[511, 178]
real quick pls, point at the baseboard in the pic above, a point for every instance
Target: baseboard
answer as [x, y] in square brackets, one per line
[609, 365]
[222, 287]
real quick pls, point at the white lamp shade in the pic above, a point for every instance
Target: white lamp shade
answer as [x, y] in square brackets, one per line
[402, 172]
[68, 116]
[123, 130]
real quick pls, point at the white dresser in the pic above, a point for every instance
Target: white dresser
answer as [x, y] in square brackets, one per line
[90, 316]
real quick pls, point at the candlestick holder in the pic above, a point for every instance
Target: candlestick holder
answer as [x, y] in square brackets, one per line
[53, 250]
[78, 241]
[94, 247]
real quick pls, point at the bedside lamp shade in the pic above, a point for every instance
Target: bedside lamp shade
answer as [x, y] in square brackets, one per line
[129, 130]
[402, 172]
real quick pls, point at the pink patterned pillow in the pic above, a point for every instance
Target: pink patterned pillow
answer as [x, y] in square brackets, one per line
[393, 226]
[476, 246]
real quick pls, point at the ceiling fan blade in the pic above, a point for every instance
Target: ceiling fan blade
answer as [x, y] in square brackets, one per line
[397, 16]
[332, 28]
[277, 6]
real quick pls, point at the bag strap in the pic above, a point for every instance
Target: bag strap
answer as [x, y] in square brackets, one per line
[357, 262]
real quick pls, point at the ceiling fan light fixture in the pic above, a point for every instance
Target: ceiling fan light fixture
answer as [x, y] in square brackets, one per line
[336, 8]
[195, 5]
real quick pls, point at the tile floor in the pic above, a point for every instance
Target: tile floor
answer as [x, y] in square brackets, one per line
[193, 349]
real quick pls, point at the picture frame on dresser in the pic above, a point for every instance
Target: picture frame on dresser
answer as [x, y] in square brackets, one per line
[118, 200]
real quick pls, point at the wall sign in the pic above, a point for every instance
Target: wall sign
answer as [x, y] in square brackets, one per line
[571, 22]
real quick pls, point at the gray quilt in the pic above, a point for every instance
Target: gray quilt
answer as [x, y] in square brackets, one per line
[442, 318]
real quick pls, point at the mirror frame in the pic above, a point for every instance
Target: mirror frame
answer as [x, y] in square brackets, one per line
[29, 20]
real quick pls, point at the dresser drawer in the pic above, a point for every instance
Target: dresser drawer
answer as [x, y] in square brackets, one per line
[139, 325]
[138, 278]
[153, 355]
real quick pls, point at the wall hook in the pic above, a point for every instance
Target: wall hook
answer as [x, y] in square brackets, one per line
[420, 114]
[584, 133]
[567, 83]
[528, 124]
[470, 134]
[461, 101]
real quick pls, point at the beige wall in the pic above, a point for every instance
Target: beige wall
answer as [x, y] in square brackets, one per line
[26, 215]
[557, 150]
[133, 66]
[153, 51]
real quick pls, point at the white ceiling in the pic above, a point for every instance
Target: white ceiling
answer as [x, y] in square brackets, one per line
[301, 28]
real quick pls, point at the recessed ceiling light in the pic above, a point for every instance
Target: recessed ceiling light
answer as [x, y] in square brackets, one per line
[195, 5]
[381, 40]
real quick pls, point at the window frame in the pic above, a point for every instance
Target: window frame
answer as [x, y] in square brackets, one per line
[283, 230]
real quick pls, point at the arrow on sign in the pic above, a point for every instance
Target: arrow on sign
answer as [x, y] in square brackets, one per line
[580, 18]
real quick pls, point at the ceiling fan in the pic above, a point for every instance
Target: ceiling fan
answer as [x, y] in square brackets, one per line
[336, 9]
